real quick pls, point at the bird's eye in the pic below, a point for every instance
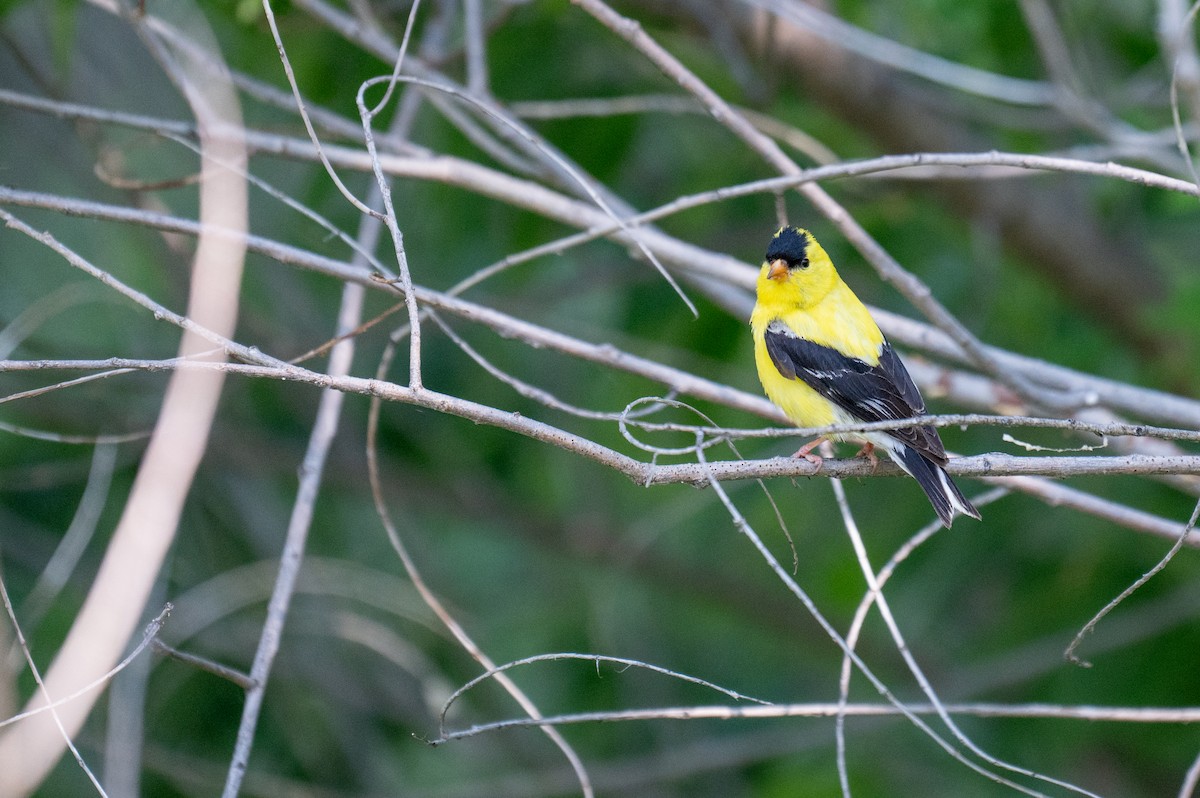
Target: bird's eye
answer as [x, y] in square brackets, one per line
[803, 264]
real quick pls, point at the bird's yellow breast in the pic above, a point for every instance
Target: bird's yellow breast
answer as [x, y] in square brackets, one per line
[838, 320]
[804, 406]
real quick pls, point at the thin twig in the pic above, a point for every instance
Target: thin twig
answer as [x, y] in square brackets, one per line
[45, 693]
[983, 465]
[596, 659]
[383, 190]
[885, 612]
[1175, 29]
[311, 473]
[477, 73]
[225, 672]
[132, 561]
[742, 525]
[1191, 780]
[300, 106]
[888, 268]
[919, 164]
[149, 634]
[312, 470]
[1144, 402]
[860, 616]
[1112, 714]
[435, 604]
[1088, 627]
[865, 44]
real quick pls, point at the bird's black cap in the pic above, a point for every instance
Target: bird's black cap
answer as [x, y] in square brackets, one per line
[789, 244]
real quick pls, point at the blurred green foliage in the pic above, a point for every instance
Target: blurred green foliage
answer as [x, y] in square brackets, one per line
[537, 551]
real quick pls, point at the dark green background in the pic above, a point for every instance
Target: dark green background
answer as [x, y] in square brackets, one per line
[538, 551]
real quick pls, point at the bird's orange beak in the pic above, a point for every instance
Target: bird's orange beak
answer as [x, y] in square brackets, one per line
[778, 270]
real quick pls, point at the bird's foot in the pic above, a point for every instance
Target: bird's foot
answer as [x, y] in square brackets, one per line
[805, 452]
[868, 451]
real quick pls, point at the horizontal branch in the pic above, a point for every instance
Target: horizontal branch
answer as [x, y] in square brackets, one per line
[1135, 400]
[1056, 494]
[993, 464]
[984, 465]
[270, 368]
[832, 710]
[1015, 162]
[1114, 429]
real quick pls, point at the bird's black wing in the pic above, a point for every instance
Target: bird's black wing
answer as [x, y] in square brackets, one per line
[880, 392]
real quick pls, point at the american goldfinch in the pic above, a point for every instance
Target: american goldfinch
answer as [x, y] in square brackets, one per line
[823, 360]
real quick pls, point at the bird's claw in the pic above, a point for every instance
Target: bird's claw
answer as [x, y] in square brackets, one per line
[805, 451]
[868, 451]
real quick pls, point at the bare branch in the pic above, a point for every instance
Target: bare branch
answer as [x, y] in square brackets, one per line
[499, 165]
[217, 669]
[47, 702]
[817, 710]
[149, 635]
[874, 590]
[1187, 528]
[596, 659]
[144, 534]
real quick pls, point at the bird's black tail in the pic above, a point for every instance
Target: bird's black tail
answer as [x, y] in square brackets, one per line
[945, 496]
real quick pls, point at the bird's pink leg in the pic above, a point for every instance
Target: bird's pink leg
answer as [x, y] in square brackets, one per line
[804, 451]
[868, 451]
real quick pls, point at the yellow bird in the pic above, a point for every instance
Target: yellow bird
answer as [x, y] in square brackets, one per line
[823, 360]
